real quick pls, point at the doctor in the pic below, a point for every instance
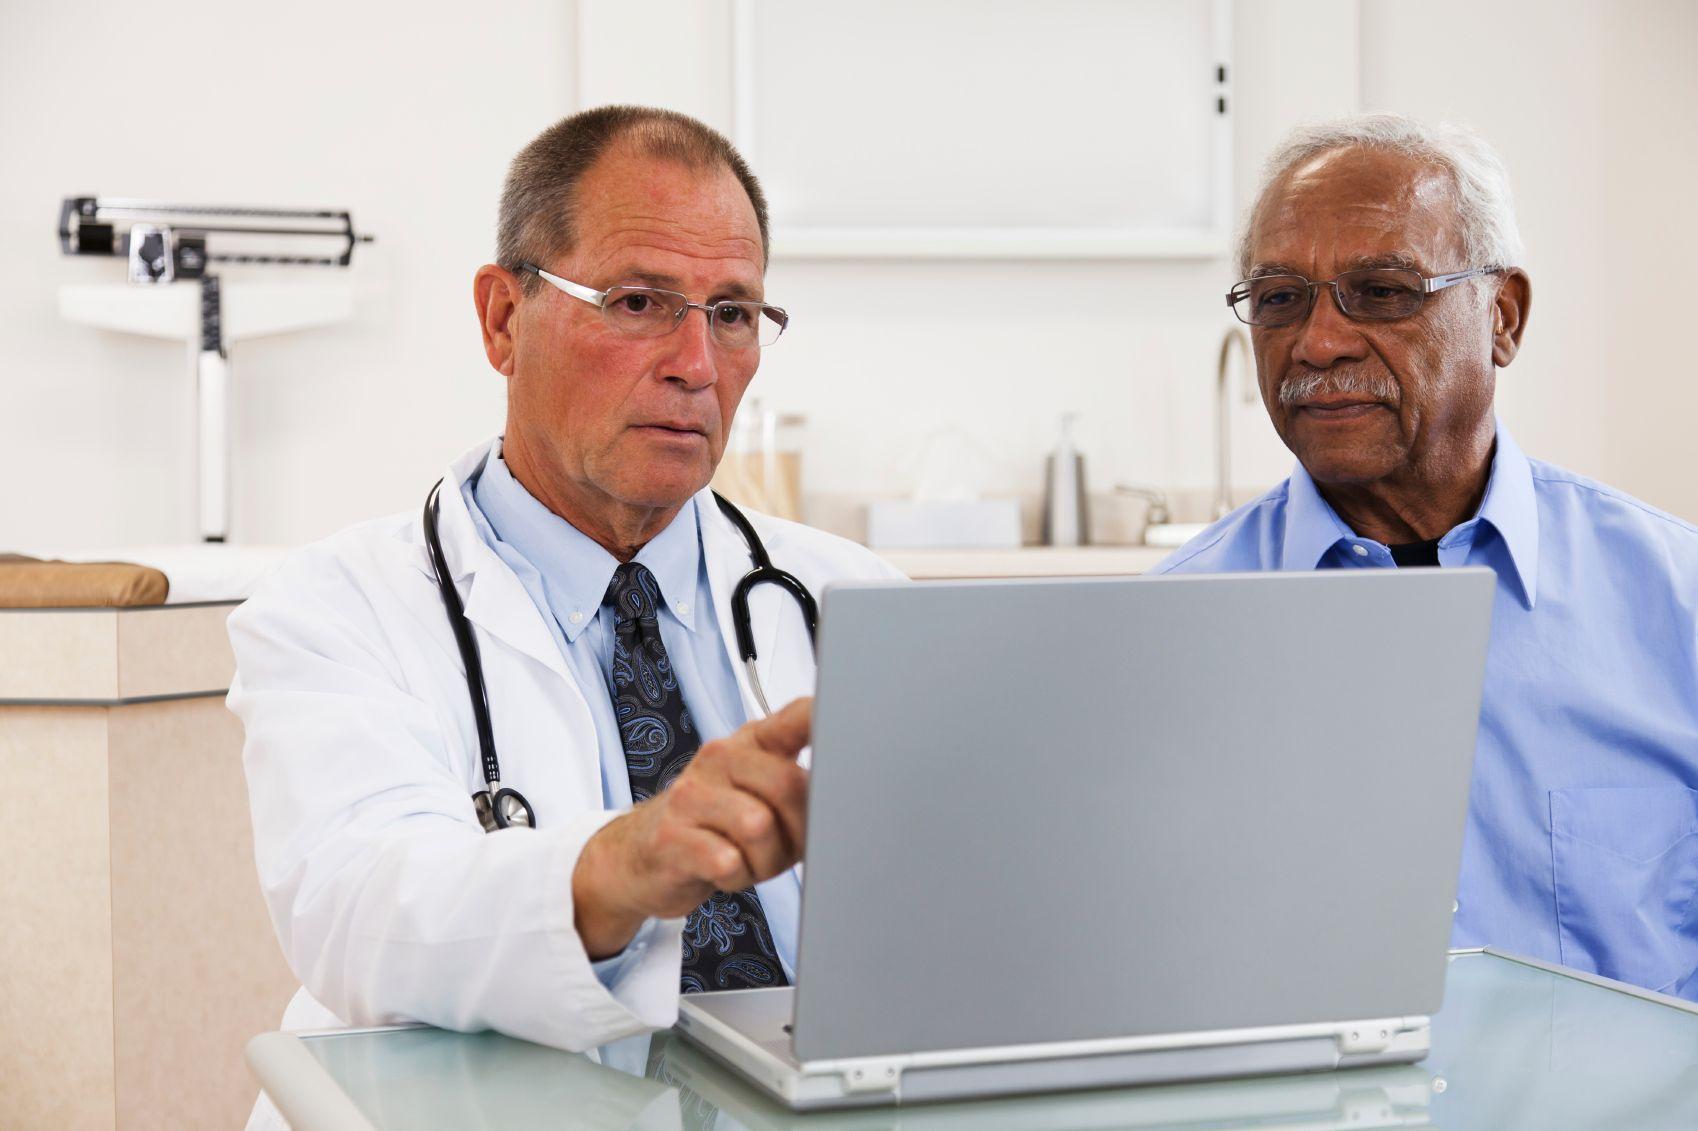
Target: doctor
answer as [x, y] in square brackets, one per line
[596, 573]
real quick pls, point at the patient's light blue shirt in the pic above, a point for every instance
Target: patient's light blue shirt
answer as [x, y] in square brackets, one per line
[566, 574]
[1582, 842]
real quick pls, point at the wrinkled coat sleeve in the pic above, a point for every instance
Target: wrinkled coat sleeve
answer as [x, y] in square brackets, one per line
[390, 902]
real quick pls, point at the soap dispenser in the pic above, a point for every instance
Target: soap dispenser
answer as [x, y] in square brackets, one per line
[1065, 515]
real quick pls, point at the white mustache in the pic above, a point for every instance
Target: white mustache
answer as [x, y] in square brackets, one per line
[1336, 382]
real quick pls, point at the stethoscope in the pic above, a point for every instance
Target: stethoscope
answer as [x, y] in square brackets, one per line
[499, 807]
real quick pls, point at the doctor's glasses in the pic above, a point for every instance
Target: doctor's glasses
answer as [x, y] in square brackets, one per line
[649, 312]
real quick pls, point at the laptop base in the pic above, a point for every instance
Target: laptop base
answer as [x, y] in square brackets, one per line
[748, 1030]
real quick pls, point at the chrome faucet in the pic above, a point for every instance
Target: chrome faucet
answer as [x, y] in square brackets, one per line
[1223, 418]
[1157, 513]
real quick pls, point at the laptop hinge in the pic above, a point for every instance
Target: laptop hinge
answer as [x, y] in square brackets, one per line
[1370, 1036]
[872, 1076]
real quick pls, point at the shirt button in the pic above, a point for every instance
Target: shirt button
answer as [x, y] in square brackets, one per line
[1361, 550]
[576, 618]
[683, 609]
[1455, 906]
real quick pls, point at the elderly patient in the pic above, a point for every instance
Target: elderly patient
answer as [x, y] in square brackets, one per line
[1383, 295]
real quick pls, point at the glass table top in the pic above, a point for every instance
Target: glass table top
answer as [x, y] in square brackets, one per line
[1514, 1046]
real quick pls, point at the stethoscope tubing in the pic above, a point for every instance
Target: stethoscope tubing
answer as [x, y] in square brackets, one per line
[763, 573]
[499, 807]
[465, 639]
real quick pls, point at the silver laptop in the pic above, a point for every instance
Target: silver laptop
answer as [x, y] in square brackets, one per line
[1100, 832]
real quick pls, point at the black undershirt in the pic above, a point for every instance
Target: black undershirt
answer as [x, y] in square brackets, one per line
[1415, 554]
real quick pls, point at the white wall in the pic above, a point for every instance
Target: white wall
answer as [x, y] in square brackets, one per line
[1000, 349]
[408, 122]
[411, 127]
[1590, 105]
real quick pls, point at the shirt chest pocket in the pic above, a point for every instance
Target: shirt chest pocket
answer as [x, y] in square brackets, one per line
[1626, 864]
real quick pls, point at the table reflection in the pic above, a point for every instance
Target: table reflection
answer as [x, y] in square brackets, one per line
[429, 1078]
[1514, 1047]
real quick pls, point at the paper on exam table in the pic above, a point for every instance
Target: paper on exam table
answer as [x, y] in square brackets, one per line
[195, 572]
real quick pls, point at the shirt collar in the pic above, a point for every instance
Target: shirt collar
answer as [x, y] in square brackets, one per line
[1312, 527]
[1512, 509]
[674, 557]
[574, 568]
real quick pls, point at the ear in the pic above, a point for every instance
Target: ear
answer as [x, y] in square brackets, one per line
[1509, 315]
[496, 292]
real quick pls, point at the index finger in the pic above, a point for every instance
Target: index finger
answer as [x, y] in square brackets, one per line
[788, 731]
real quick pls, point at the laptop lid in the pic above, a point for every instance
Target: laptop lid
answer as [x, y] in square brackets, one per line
[1051, 811]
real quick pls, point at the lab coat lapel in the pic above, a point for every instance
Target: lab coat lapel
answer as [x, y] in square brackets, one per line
[497, 603]
[496, 600]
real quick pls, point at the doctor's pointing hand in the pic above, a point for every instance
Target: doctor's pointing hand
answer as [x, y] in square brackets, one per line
[509, 755]
[737, 815]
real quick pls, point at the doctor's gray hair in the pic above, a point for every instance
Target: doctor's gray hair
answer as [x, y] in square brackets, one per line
[1490, 237]
[539, 201]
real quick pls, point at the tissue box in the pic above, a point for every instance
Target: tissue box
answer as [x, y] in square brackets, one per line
[980, 524]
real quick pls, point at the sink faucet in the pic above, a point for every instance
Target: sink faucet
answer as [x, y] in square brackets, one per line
[1223, 418]
[1157, 513]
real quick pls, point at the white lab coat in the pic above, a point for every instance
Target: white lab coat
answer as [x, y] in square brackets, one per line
[390, 902]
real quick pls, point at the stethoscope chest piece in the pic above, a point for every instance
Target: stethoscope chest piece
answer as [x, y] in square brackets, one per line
[509, 810]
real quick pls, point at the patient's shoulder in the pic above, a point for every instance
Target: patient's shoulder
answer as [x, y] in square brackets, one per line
[1246, 539]
[1573, 506]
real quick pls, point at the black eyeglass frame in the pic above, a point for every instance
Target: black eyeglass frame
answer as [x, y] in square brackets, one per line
[1430, 284]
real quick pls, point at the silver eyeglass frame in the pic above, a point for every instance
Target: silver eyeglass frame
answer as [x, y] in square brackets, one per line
[1429, 284]
[598, 299]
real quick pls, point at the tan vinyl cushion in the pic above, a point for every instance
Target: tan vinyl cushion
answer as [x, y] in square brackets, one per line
[30, 583]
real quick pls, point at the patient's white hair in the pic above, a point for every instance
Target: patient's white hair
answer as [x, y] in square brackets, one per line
[1490, 237]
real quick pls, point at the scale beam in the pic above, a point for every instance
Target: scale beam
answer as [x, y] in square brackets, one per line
[165, 244]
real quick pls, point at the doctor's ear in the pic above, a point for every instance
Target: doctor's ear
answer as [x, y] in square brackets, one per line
[496, 292]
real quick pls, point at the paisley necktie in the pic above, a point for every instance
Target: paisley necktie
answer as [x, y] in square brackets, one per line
[727, 943]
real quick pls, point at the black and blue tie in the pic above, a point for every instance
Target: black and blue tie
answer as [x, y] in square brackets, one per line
[727, 943]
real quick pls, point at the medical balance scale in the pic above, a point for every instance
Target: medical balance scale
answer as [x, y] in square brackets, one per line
[170, 244]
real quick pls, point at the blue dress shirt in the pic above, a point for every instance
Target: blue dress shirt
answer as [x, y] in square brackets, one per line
[566, 574]
[1582, 841]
